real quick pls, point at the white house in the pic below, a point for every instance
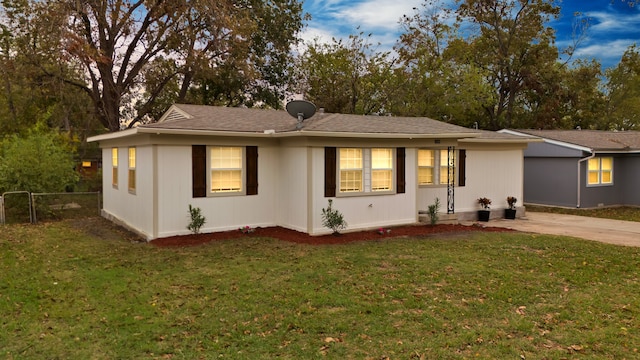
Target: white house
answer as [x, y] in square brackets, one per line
[258, 168]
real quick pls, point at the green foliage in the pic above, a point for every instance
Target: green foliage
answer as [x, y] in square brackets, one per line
[333, 219]
[68, 293]
[433, 211]
[624, 93]
[619, 212]
[197, 219]
[484, 203]
[38, 162]
[345, 77]
[249, 42]
[511, 201]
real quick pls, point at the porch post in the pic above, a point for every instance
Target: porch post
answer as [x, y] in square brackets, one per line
[451, 154]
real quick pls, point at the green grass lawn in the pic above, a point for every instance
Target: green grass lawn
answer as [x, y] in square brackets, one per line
[68, 294]
[618, 213]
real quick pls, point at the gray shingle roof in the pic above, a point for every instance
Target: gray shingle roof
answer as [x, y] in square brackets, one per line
[215, 118]
[598, 140]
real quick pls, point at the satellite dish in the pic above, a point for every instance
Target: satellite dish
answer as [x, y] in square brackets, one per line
[301, 110]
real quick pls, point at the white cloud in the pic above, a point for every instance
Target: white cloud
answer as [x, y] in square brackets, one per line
[379, 14]
[606, 51]
[613, 22]
[341, 18]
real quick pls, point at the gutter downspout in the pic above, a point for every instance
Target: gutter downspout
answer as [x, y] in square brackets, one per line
[593, 154]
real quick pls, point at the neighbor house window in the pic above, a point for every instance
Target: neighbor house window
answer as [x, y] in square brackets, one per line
[132, 169]
[600, 171]
[226, 169]
[351, 170]
[433, 167]
[114, 167]
[381, 169]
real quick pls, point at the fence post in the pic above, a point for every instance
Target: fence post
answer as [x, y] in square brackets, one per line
[32, 205]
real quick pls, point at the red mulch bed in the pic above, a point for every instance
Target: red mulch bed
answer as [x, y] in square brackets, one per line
[302, 238]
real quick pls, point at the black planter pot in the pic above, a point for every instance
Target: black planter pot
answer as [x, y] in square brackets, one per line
[510, 214]
[483, 215]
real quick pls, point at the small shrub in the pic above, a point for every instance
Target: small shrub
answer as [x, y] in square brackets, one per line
[246, 229]
[333, 219]
[197, 220]
[433, 212]
[484, 203]
[512, 202]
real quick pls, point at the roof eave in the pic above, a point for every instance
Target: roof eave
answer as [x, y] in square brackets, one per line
[336, 134]
[503, 141]
[283, 134]
[550, 141]
[113, 135]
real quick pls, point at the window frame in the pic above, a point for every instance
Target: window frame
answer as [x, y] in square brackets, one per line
[131, 169]
[437, 167]
[599, 171]
[114, 167]
[243, 172]
[367, 170]
[345, 170]
[389, 170]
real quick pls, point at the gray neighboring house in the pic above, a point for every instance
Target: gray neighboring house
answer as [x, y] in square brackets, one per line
[581, 168]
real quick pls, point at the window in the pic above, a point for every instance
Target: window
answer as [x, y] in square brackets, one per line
[219, 170]
[226, 169]
[356, 170]
[114, 167]
[432, 167]
[444, 158]
[381, 169]
[600, 171]
[351, 170]
[365, 170]
[132, 169]
[426, 167]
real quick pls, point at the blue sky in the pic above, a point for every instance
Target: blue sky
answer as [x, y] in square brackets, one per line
[614, 24]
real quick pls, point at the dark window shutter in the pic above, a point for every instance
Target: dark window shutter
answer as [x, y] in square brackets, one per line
[462, 167]
[252, 170]
[400, 171]
[330, 163]
[198, 170]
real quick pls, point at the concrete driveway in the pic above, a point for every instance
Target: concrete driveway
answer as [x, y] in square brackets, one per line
[604, 230]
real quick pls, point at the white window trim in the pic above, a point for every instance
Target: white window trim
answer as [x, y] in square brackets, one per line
[367, 173]
[114, 168]
[437, 167]
[600, 183]
[243, 162]
[129, 168]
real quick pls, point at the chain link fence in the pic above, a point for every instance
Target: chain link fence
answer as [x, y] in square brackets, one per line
[23, 207]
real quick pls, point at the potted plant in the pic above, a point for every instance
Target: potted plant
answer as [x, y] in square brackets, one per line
[485, 213]
[510, 212]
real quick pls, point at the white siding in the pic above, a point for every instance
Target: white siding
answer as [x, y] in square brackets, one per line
[494, 174]
[221, 212]
[292, 188]
[134, 210]
[364, 211]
